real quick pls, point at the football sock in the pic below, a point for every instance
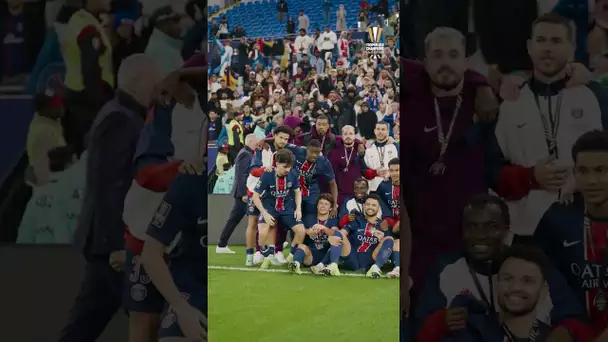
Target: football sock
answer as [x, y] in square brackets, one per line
[249, 251]
[264, 250]
[396, 258]
[299, 255]
[325, 260]
[385, 252]
[293, 249]
[335, 251]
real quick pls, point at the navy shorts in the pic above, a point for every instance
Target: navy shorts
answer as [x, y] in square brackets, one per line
[286, 220]
[309, 207]
[252, 210]
[317, 254]
[357, 261]
[140, 294]
[191, 289]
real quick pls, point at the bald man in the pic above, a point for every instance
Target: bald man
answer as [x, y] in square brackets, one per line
[239, 192]
[109, 172]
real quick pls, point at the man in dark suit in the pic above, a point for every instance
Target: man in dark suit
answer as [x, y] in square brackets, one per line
[239, 192]
[99, 235]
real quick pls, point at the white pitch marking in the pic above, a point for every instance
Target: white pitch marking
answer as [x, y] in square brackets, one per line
[257, 269]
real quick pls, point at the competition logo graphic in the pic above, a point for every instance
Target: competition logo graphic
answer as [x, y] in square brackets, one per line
[374, 45]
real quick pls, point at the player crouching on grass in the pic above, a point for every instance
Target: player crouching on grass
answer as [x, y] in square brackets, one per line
[278, 197]
[363, 244]
[319, 227]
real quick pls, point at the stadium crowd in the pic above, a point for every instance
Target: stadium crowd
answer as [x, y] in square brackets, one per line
[320, 112]
[504, 165]
[116, 156]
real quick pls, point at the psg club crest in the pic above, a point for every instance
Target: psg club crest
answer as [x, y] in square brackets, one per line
[51, 78]
[600, 302]
[577, 113]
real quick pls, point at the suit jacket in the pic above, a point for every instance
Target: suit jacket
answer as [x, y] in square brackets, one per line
[109, 172]
[241, 172]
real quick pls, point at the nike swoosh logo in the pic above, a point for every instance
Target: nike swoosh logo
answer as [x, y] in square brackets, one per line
[521, 125]
[428, 130]
[201, 221]
[570, 244]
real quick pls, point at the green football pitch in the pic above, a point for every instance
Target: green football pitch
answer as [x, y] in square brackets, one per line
[252, 305]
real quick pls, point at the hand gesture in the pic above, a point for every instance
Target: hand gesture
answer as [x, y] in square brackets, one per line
[117, 260]
[361, 149]
[579, 75]
[510, 87]
[269, 219]
[550, 176]
[456, 318]
[379, 234]
[333, 213]
[192, 168]
[192, 323]
[334, 240]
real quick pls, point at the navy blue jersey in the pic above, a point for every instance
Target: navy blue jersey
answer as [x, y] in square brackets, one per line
[389, 194]
[361, 235]
[181, 218]
[562, 235]
[277, 193]
[309, 174]
[319, 241]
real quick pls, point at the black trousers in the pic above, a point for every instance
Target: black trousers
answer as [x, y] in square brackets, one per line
[78, 119]
[233, 151]
[99, 299]
[239, 209]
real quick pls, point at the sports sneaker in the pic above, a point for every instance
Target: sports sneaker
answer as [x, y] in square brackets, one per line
[223, 250]
[258, 258]
[294, 267]
[290, 258]
[280, 258]
[317, 269]
[249, 260]
[331, 270]
[265, 263]
[374, 272]
[395, 273]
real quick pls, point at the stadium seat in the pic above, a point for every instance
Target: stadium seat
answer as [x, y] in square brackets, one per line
[259, 17]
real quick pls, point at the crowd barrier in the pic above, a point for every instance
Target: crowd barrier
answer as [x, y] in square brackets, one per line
[15, 115]
[39, 284]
